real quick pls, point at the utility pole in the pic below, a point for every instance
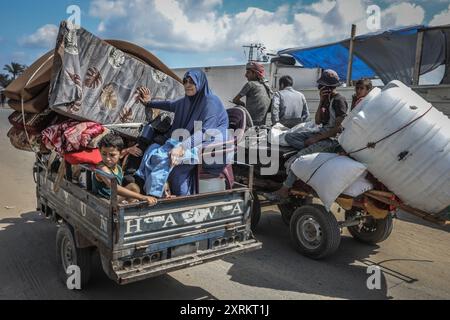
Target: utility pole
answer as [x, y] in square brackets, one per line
[350, 56]
[418, 60]
[255, 50]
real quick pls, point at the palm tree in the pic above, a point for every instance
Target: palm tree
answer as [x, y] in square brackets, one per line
[14, 69]
[4, 80]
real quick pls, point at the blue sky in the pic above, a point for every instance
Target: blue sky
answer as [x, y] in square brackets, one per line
[185, 33]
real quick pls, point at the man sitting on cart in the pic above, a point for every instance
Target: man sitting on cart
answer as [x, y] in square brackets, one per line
[330, 114]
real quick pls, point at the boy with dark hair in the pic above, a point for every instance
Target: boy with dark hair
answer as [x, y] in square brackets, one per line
[111, 147]
[362, 89]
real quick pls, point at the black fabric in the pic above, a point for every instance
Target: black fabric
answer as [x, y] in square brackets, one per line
[434, 50]
[131, 178]
[446, 78]
[340, 107]
[393, 56]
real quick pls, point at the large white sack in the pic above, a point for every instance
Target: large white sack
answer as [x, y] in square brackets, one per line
[277, 133]
[280, 131]
[413, 163]
[357, 188]
[328, 174]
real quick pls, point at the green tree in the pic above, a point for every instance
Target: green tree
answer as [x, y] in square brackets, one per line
[4, 80]
[15, 69]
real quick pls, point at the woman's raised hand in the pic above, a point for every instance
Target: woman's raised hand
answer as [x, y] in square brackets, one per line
[135, 151]
[176, 156]
[145, 95]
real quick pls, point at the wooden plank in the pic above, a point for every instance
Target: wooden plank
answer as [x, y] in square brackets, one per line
[416, 212]
[418, 62]
[350, 56]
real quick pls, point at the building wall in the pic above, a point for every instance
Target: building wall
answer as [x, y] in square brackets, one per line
[227, 81]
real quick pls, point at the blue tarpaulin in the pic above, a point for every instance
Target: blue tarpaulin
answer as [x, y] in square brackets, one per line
[333, 57]
[388, 54]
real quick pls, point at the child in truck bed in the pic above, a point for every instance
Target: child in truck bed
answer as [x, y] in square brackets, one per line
[110, 149]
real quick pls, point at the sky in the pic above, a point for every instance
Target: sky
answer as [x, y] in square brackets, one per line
[199, 33]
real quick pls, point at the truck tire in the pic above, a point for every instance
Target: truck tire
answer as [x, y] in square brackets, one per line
[371, 231]
[315, 231]
[256, 212]
[68, 254]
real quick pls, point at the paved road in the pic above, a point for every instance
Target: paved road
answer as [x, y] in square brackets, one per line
[415, 260]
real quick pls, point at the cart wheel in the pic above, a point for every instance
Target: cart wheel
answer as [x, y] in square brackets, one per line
[68, 254]
[371, 230]
[256, 212]
[314, 231]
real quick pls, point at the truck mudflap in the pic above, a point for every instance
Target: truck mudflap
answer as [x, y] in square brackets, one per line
[143, 271]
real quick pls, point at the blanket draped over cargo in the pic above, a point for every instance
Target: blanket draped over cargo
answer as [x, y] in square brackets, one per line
[390, 55]
[93, 80]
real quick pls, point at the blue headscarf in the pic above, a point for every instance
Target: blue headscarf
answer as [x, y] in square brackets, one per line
[204, 106]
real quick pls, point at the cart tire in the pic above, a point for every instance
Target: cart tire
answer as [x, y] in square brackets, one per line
[68, 254]
[315, 231]
[372, 231]
[256, 212]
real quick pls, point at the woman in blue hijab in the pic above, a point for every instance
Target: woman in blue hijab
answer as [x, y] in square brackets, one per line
[199, 104]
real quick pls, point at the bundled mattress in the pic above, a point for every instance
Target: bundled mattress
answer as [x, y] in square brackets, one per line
[33, 123]
[19, 140]
[93, 80]
[28, 89]
[33, 85]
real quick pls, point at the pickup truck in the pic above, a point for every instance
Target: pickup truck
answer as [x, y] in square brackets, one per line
[137, 241]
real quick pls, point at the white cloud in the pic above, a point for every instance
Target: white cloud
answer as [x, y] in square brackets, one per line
[44, 37]
[441, 18]
[108, 8]
[311, 26]
[403, 14]
[322, 6]
[19, 56]
[198, 25]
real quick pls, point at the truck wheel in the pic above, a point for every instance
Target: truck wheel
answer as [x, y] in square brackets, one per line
[370, 230]
[68, 254]
[256, 212]
[315, 231]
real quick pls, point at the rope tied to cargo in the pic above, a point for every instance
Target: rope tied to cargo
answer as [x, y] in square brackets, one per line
[320, 166]
[372, 145]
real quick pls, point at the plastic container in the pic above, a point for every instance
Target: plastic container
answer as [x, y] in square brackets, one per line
[414, 162]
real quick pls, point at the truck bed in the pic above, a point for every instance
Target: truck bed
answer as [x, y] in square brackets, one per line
[137, 241]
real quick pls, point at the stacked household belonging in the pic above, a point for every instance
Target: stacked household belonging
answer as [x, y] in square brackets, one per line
[396, 136]
[69, 94]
